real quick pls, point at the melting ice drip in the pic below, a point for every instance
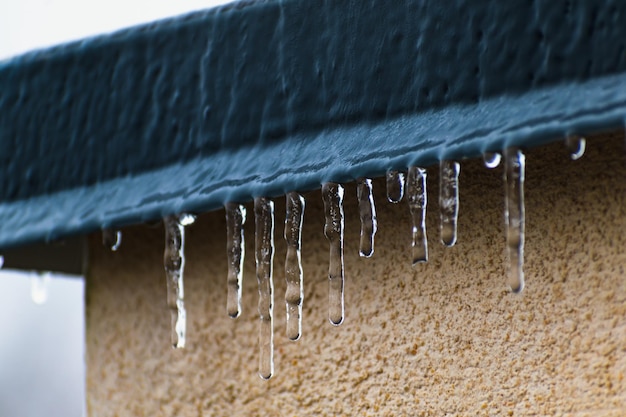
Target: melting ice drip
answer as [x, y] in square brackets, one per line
[235, 219]
[111, 239]
[294, 294]
[514, 169]
[174, 262]
[492, 159]
[576, 146]
[332, 194]
[264, 254]
[395, 186]
[367, 214]
[416, 197]
[449, 200]
[39, 284]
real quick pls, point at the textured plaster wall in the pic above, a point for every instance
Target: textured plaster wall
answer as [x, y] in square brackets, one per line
[445, 338]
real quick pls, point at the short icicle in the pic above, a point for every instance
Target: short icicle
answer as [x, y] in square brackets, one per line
[174, 262]
[111, 239]
[187, 219]
[294, 294]
[367, 213]
[417, 199]
[39, 283]
[449, 200]
[332, 193]
[264, 254]
[235, 248]
[576, 146]
[492, 159]
[514, 216]
[395, 186]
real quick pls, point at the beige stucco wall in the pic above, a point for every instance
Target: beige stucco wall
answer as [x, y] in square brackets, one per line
[445, 338]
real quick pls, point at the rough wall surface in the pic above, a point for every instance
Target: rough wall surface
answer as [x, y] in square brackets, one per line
[445, 338]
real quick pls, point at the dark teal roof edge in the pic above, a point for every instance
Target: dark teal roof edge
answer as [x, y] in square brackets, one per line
[206, 183]
[267, 97]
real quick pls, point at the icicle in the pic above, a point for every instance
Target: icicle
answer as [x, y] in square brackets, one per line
[367, 212]
[332, 193]
[576, 145]
[449, 200]
[395, 186]
[294, 295]
[416, 196]
[111, 239]
[39, 283]
[492, 159]
[514, 215]
[264, 253]
[174, 262]
[235, 248]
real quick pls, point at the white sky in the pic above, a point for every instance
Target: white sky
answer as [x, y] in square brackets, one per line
[42, 353]
[32, 24]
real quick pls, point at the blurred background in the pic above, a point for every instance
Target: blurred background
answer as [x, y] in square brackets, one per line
[42, 349]
[42, 324]
[32, 24]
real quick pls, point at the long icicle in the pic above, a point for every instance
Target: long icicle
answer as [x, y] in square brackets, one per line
[332, 193]
[417, 199]
[235, 247]
[514, 217]
[449, 200]
[367, 213]
[294, 294]
[264, 254]
[174, 262]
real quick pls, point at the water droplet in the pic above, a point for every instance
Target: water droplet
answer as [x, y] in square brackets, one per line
[39, 283]
[264, 254]
[235, 248]
[492, 159]
[174, 263]
[514, 216]
[1, 261]
[395, 186]
[449, 200]
[367, 213]
[332, 193]
[294, 295]
[576, 145]
[111, 239]
[417, 199]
